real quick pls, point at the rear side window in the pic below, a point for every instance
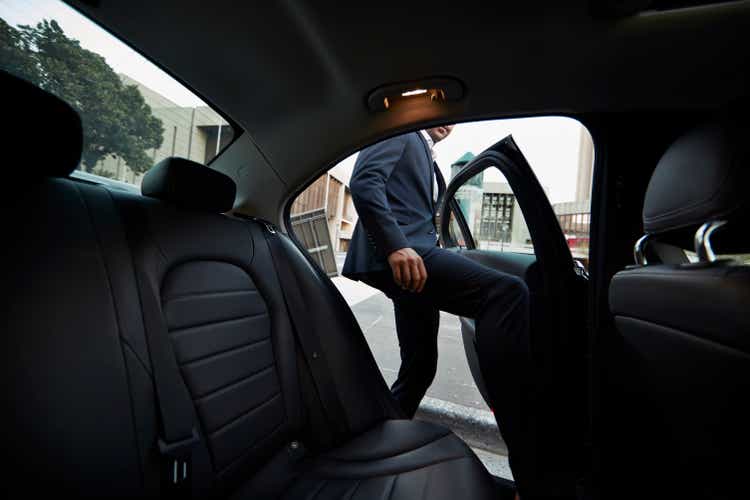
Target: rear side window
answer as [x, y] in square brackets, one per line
[133, 113]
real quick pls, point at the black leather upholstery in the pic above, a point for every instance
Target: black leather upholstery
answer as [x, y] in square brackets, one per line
[701, 177]
[80, 413]
[398, 459]
[49, 137]
[189, 184]
[705, 299]
[685, 328]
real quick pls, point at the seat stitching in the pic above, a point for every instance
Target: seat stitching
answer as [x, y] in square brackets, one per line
[216, 322]
[356, 487]
[126, 343]
[681, 331]
[393, 487]
[207, 294]
[371, 459]
[250, 448]
[223, 352]
[430, 470]
[321, 488]
[252, 242]
[243, 415]
[422, 466]
[202, 399]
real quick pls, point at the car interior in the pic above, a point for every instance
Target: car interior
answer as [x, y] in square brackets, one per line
[178, 341]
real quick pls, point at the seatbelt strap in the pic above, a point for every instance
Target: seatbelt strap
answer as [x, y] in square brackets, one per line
[304, 331]
[178, 434]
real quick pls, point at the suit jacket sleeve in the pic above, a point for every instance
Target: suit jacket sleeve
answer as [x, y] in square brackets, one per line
[368, 184]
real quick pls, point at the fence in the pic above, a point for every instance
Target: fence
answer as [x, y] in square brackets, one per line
[311, 228]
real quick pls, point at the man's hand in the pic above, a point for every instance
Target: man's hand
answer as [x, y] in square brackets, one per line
[408, 269]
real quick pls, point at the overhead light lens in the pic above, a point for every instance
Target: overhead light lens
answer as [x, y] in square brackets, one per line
[413, 94]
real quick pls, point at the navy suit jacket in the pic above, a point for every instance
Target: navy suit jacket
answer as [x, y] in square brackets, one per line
[392, 190]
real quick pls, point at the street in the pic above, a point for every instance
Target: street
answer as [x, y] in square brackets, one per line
[453, 381]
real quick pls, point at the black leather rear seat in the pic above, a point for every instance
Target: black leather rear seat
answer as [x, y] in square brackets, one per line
[81, 415]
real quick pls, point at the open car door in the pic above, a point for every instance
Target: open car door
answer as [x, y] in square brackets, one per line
[495, 212]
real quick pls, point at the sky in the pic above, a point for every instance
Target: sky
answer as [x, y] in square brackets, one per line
[550, 145]
[119, 56]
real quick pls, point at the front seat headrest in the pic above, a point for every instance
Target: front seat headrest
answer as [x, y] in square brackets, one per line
[44, 130]
[189, 184]
[702, 177]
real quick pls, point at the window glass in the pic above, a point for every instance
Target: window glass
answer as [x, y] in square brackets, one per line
[561, 154]
[133, 113]
[324, 218]
[492, 213]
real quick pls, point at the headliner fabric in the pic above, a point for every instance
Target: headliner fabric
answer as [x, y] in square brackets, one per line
[44, 133]
[189, 184]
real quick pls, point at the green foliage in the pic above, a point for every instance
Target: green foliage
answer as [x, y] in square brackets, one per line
[104, 173]
[116, 119]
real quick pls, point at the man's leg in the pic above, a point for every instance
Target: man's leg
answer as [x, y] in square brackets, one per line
[417, 324]
[499, 303]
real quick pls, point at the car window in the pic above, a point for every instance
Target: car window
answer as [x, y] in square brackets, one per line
[560, 151]
[493, 216]
[324, 219]
[133, 113]
[561, 154]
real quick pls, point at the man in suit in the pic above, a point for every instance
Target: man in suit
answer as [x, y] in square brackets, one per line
[395, 187]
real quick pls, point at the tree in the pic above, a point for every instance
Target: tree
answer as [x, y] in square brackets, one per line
[116, 119]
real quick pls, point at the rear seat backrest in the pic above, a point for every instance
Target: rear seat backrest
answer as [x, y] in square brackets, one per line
[81, 412]
[222, 306]
[83, 405]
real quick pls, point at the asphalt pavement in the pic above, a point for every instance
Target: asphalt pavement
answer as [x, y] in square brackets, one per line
[453, 381]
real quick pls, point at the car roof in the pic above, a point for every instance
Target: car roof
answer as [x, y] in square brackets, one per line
[295, 75]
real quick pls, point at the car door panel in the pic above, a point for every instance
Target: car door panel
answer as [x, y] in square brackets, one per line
[558, 292]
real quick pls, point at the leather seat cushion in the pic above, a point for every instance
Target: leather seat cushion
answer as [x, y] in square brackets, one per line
[397, 459]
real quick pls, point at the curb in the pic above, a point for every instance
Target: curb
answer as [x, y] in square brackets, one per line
[477, 427]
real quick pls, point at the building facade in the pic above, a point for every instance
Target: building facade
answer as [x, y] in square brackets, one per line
[495, 218]
[196, 133]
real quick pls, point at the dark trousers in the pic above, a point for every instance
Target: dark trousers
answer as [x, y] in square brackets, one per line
[499, 304]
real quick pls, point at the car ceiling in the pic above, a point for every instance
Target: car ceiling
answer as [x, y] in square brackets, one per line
[294, 75]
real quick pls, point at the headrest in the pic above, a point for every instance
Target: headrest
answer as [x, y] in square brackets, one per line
[44, 129]
[189, 184]
[703, 176]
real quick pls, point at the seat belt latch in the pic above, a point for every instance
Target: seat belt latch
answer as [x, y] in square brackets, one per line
[179, 454]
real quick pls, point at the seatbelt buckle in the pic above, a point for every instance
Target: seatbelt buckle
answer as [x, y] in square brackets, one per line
[179, 454]
[268, 225]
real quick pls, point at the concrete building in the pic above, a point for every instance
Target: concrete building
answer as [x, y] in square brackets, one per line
[197, 133]
[330, 193]
[323, 217]
[491, 211]
[575, 216]
[495, 218]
